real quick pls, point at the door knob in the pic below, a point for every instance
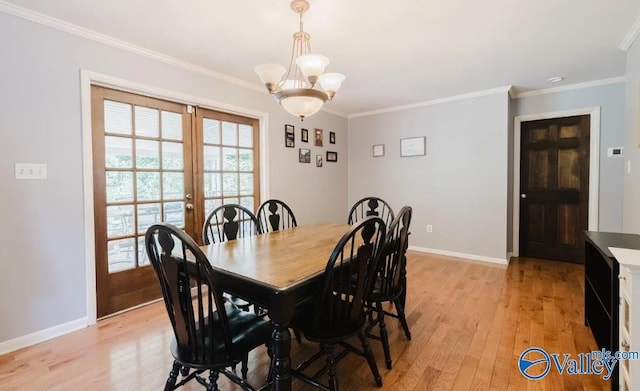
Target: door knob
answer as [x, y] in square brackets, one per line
[189, 206]
[523, 196]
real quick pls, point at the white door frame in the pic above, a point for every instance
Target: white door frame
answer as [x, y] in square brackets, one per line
[594, 165]
[89, 78]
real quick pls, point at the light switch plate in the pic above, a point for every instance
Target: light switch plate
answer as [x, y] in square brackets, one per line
[31, 171]
[615, 152]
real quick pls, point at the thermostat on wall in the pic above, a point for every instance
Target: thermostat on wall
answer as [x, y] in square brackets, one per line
[614, 152]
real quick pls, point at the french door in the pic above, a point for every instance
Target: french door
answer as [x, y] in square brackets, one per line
[156, 161]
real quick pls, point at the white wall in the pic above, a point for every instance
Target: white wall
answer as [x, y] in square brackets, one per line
[42, 266]
[460, 187]
[610, 99]
[631, 211]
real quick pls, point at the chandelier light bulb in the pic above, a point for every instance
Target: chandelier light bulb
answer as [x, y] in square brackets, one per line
[270, 74]
[331, 82]
[312, 65]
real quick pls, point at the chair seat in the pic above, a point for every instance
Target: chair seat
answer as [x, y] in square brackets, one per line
[247, 330]
[377, 293]
[324, 330]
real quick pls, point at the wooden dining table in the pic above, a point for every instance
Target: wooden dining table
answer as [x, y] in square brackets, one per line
[276, 271]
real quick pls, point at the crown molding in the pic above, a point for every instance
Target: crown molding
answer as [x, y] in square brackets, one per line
[569, 87]
[470, 95]
[79, 31]
[71, 28]
[631, 36]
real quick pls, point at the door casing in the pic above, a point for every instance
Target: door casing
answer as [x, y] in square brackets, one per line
[594, 166]
[88, 78]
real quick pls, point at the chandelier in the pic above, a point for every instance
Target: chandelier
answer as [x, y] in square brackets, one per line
[306, 87]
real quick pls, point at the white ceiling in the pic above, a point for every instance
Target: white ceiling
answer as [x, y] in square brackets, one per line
[392, 52]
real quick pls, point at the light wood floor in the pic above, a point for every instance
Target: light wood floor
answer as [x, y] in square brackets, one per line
[470, 322]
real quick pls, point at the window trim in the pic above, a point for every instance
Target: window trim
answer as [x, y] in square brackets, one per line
[89, 78]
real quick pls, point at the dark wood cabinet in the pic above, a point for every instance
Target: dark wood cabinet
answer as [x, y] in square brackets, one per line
[602, 288]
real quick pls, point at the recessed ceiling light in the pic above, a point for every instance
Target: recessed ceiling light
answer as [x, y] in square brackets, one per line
[555, 79]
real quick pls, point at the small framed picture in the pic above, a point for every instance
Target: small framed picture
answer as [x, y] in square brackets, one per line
[317, 140]
[332, 156]
[318, 160]
[289, 136]
[304, 156]
[378, 150]
[304, 135]
[414, 146]
[332, 138]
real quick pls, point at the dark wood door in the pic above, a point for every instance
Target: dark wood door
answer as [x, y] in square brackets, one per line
[554, 188]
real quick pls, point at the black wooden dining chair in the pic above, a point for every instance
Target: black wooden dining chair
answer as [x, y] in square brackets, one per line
[371, 206]
[210, 334]
[229, 222]
[274, 215]
[390, 282]
[337, 311]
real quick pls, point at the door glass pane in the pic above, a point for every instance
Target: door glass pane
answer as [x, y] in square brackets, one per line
[119, 220]
[212, 186]
[211, 131]
[246, 159]
[246, 184]
[122, 254]
[148, 214]
[229, 134]
[247, 202]
[174, 213]
[171, 125]
[148, 186]
[172, 156]
[233, 200]
[229, 159]
[172, 185]
[118, 152]
[119, 186]
[117, 117]
[245, 136]
[147, 122]
[211, 158]
[143, 259]
[230, 184]
[147, 154]
[210, 205]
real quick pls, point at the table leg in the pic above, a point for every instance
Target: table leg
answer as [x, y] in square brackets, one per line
[282, 357]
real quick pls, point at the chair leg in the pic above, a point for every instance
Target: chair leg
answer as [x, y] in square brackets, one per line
[245, 367]
[213, 381]
[370, 360]
[173, 377]
[403, 319]
[331, 366]
[384, 336]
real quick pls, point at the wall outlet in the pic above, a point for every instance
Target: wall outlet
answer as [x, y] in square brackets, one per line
[31, 171]
[429, 228]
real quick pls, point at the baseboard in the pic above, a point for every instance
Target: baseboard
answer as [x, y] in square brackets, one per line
[460, 255]
[42, 335]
